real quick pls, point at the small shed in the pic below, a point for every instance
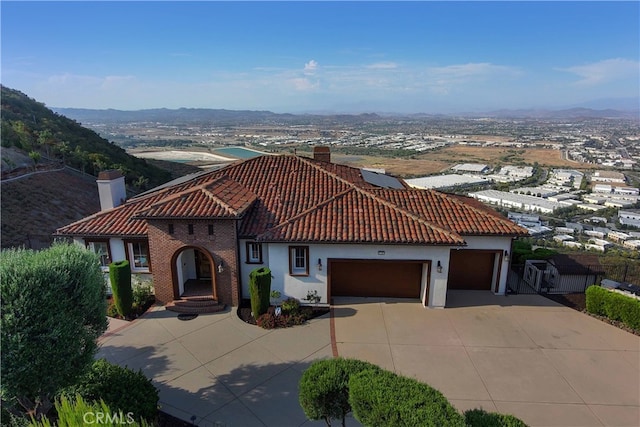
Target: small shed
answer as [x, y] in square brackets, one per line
[563, 273]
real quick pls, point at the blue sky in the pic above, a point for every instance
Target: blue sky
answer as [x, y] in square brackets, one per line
[324, 56]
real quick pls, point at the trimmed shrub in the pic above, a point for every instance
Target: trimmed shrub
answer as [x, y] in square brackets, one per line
[120, 277]
[382, 398]
[76, 411]
[142, 294]
[324, 388]
[482, 418]
[613, 305]
[121, 389]
[290, 305]
[595, 299]
[53, 310]
[260, 290]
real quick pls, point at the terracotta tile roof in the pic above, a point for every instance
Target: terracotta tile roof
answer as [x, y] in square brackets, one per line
[290, 198]
[458, 214]
[356, 216]
[221, 198]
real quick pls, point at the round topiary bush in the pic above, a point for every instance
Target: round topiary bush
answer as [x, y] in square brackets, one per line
[122, 389]
[324, 388]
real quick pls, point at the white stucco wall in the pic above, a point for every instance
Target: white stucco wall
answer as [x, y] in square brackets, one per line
[276, 257]
[245, 268]
[298, 286]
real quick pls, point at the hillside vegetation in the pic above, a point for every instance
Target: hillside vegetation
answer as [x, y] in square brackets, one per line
[46, 136]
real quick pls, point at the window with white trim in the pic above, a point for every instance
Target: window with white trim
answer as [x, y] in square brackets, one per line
[299, 260]
[138, 252]
[100, 248]
[254, 253]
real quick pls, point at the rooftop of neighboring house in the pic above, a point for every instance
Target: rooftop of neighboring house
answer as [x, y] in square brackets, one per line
[285, 198]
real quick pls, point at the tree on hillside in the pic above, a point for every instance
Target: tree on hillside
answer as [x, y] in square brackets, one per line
[35, 156]
[52, 311]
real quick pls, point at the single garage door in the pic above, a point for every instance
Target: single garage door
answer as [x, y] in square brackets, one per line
[375, 278]
[470, 270]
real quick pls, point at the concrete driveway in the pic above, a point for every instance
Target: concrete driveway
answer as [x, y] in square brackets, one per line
[218, 368]
[525, 355]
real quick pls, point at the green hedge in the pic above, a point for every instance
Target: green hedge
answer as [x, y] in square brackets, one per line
[613, 305]
[260, 290]
[482, 418]
[120, 278]
[122, 389]
[324, 388]
[382, 398]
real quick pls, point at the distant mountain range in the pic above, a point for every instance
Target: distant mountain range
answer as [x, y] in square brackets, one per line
[235, 117]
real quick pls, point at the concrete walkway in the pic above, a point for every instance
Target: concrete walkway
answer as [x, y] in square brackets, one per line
[525, 355]
[220, 369]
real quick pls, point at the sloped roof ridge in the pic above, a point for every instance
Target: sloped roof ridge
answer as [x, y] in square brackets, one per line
[410, 214]
[453, 235]
[453, 199]
[456, 200]
[312, 208]
[209, 194]
[159, 191]
[371, 194]
[323, 170]
[201, 187]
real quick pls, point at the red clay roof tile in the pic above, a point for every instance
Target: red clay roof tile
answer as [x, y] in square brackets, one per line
[290, 198]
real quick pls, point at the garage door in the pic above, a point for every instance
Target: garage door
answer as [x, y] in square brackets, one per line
[375, 278]
[470, 270]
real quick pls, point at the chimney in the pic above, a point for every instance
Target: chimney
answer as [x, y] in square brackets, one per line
[322, 154]
[111, 189]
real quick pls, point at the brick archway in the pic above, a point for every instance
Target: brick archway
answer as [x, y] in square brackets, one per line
[178, 273]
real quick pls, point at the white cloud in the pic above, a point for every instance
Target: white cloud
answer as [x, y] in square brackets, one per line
[442, 80]
[310, 67]
[382, 66]
[303, 84]
[604, 71]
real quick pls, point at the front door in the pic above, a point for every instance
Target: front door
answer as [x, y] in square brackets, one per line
[203, 267]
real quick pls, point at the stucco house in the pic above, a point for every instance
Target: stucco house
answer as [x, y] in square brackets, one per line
[319, 226]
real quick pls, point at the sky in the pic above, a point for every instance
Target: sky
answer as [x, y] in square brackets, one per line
[353, 57]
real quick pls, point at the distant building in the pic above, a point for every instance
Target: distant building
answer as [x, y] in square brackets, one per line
[602, 188]
[632, 244]
[566, 178]
[617, 236]
[470, 168]
[517, 201]
[443, 182]
[629, 217]
[535, 191]
[608, 176]
[590, 207]
[627, 190]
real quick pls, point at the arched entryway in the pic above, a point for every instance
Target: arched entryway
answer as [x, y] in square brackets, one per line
[193, 273]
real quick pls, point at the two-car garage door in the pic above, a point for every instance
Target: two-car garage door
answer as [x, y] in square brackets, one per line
[367, 278]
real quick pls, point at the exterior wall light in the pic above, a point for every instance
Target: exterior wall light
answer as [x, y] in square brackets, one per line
[221, 267]
[439, 267]
[506, 255]
[319, 264]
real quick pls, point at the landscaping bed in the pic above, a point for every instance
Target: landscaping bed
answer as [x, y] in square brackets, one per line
[579, 302]
[138, 310]
[304, 313]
